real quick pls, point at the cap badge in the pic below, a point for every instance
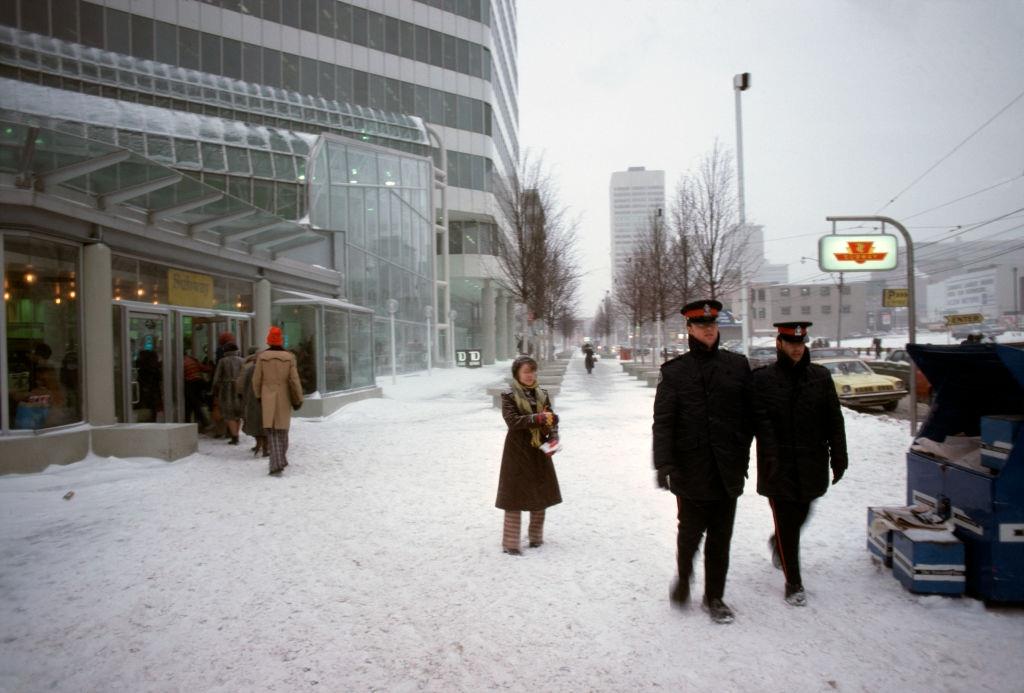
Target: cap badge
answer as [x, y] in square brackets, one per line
[707, 309]
[798, 331]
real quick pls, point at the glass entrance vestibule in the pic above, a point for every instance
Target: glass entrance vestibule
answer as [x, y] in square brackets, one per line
[153, 347]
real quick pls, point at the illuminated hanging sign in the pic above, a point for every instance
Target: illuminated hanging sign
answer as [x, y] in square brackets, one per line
[875, 253]
[189, 289]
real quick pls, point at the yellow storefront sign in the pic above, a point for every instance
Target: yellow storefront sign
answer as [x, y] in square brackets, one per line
[966, 319]
[189, 289]
[895, 298]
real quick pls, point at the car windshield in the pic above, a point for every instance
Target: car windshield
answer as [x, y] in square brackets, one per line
[848, 368]
[762, 351]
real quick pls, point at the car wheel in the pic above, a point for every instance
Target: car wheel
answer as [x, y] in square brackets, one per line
[890, 406]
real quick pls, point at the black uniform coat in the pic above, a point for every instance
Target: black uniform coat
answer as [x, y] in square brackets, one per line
[527, 480]
[800, 430]
[702, 427]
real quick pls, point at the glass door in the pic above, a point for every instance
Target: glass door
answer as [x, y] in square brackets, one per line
[145, 369]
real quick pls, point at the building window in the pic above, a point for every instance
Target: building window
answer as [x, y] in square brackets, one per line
[760, 313]
[825, 290]
[846, 290]
[784, 292]
[805, 291]
[846, 308]
[805, 310]
[826, 310]
[760, 295]
[786, 310]
[42, 333]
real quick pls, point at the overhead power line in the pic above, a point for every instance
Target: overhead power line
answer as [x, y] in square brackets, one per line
[952, 151]
[964, 197]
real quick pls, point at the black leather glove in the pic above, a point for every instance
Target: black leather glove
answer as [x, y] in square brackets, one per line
[837, 474]
[296, 407]
[663, 477]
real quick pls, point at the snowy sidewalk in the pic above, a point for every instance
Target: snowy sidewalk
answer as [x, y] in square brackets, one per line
[375, 564]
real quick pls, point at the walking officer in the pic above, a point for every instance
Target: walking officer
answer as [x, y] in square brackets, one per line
[800, 434]
[702, 433]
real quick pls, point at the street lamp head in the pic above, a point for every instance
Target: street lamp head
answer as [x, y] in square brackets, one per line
[392, 306]
[741, 82]
[428, 311]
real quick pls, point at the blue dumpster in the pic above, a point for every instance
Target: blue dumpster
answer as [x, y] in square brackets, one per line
[979, 391]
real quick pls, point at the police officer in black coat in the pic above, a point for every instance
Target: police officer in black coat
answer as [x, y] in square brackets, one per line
[800, 434]
[702, 432]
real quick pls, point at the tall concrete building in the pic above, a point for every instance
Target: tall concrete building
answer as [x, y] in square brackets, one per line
[634, 195]
[171, 170]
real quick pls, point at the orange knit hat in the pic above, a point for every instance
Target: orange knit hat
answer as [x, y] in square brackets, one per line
[275, 337]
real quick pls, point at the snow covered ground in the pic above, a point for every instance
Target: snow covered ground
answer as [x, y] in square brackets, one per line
[375, 564]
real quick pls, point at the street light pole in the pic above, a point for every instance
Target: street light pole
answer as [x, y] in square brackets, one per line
[392, 306]
[741, 83]
[429, 310]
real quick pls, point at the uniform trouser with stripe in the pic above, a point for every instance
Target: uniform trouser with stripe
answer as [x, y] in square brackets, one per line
[696, 518]
[277, 444]
[790, 517]
[513, 528]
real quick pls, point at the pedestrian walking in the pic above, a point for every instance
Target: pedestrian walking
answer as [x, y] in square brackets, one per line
[800, 435]
[194, 386]
[227, 396]
[527, 480]
[275, 381]
[588, 360]
[702, 434]
[252, 415]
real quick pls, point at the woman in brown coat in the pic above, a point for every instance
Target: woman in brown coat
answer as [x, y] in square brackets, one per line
[527, 480]
[276, 382]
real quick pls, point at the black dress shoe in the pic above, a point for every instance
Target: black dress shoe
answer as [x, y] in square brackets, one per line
[512, 552]
[680, 594]
[535, 544]
[795, 595]
[717, 609]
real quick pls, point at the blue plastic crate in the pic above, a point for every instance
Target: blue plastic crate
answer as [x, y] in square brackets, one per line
[929, 562]
[879, 543]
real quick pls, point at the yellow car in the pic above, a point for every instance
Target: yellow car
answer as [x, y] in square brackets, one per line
[859, 386]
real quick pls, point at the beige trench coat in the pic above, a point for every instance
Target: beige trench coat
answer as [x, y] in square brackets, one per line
[276, 383]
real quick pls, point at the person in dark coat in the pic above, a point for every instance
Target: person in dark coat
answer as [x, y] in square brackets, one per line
[252, 410]
[800, 435]
[527, 479]
[588, 360]
[702, 433]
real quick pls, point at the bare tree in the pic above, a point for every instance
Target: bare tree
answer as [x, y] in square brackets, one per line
[537, 255]
[659, 253]
[631, 296]
[706, 218]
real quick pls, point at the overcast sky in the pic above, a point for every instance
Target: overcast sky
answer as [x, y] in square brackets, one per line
[850, 102]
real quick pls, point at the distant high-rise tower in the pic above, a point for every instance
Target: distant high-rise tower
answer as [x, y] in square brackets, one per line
[634, 196]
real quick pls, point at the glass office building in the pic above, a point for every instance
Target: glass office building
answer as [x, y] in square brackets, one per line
[173, 170]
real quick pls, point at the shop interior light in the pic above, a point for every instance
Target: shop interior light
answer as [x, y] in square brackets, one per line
[30, 278]
[7, 295]
[57, 300]
[140, 291]
[72, 294]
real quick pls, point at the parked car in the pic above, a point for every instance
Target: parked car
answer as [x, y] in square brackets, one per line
[897, 364]
[819, 353]
[858, 386]
[761, 356]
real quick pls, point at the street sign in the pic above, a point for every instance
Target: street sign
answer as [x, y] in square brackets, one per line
[965, 319]
[874, 253]
[894, 298]
[468, 358]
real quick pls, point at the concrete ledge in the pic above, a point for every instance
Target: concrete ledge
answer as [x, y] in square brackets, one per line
[34, 453]
[325, 406]
[170, 441]
[652, 380]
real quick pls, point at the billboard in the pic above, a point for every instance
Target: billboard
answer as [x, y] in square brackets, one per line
[875, 253]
